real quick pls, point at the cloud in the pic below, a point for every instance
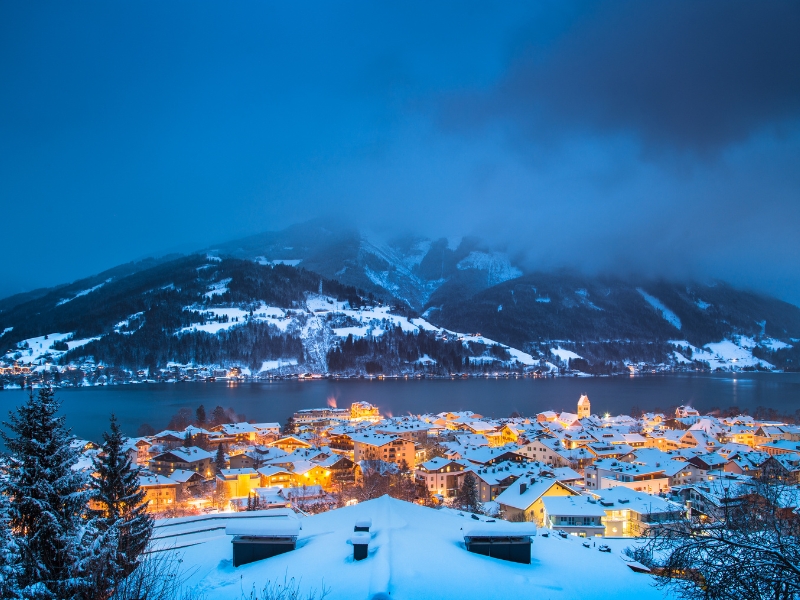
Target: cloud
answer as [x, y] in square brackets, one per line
[681, 74]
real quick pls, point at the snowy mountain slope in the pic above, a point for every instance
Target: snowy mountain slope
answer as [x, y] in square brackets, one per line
[452, 284]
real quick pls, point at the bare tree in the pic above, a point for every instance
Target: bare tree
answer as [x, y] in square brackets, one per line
[751, 549]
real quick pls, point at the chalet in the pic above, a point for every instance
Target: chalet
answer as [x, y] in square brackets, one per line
[274, 476]
[290, 443]
[522, 501]
[255, 457]
[441, 476]
[160, 492]
[785, 467]
[190, 483]
[188, 459]
[238, 432]
[169, 439]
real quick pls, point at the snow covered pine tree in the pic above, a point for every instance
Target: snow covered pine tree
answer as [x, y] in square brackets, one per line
[9, 553]
[122, 527]
[47, 511]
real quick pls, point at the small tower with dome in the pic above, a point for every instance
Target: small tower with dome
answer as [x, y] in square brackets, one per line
[584, 407]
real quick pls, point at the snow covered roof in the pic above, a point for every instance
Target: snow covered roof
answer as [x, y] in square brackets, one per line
[573, 506]
[414, 553]
[514, 497]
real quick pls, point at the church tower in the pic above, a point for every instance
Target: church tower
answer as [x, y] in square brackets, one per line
[584, 408]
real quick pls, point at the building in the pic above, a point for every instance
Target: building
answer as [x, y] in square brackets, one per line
[160, 492]
[608, 473]
[522, 501]
[441, 476]
[237, 483]
[187, 459]
[364, 411]
[632, 514]
[388, 448]
[580, 515]
[584, 407]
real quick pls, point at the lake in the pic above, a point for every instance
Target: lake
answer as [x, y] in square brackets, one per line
[87, 409]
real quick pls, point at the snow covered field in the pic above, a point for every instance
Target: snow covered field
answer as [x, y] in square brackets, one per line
[414, 553]
[726, 355]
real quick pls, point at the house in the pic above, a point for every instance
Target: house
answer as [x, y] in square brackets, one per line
[238, 432]
[495, 479]
[631, 514]
[188, 459]
[290, 443]
[580, 515]
[160, 492]
[388, 448]
[785, 467]
[233, 483]
[190, 483]
[441, 476]
[275, 476]
[522, 501]
[255, 457]
[682, 412]
[776, 447]
[608, 473]
[711, 497]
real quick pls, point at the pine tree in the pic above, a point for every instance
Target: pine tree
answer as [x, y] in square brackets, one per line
[9, 553]
[200, 413]
[122, 526]
[219, 460]
[468, 497]
[48, 500]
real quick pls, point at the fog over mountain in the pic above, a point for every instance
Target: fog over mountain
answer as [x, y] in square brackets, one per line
[643, 140]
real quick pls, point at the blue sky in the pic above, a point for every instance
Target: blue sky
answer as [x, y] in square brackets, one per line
[657, 138]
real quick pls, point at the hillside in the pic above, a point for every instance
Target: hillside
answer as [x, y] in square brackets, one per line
[313, 298]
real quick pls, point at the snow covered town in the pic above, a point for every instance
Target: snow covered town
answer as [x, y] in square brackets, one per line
[571, 482]
[585, 474]
[348, 503]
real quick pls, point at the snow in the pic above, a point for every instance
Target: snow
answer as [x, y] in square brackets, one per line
[727, 355]
[499, 307]
[218, 289]
[39, 346]
[425, 360]
[666, 313]
[72, 344]
[237, 317]
[773, 344]
[564, 355]
[681, 359]
[496, 265]
[6, 330]
[413, 553]
[83, 293]
[543, 299]
[291, 262]
[453, 242]
[702, 305]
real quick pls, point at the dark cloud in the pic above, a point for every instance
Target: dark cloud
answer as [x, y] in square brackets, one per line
[689, 74]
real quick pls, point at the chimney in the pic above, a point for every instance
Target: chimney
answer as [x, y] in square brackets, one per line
[523, 487]
[360, 543]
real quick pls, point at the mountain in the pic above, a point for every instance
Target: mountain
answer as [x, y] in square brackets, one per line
[319, 297]
[415, 270]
